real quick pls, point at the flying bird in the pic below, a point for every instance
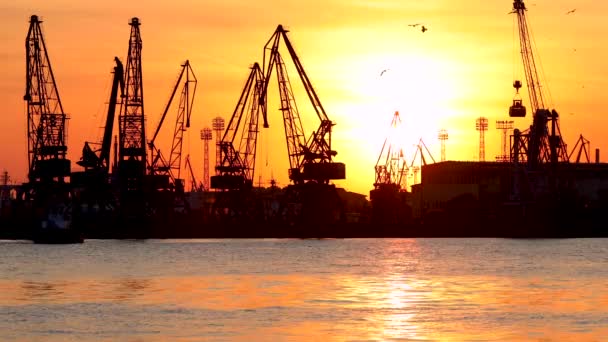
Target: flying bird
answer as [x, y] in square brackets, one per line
[571, 11]
[424, 29]
[414, 25]
[383, 71]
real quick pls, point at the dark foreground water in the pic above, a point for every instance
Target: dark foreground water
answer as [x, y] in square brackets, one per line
[305, 290]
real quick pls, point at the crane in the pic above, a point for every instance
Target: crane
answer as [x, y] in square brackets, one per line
[158, 164]
[388, 198]
[47, 150]
[309, 159]
[236, 166]
[311, 199]
[390, 165]
[132, 134]
[541, 143]
[100, 159]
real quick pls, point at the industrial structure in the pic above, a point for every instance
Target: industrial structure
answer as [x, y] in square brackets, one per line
[504, 126]
[132, 190]
[47, 192]
[481, 125]
[443, 137]
[206, 136]
[389, 197]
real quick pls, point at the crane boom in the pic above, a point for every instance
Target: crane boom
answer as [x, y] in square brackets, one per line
[46, 119]
[89, 157]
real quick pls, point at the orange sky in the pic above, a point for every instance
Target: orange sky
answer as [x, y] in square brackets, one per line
[458, 70]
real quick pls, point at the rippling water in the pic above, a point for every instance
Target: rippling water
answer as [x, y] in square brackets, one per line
[305, 290]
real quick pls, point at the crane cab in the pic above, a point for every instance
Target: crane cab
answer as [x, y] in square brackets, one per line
[517, 110]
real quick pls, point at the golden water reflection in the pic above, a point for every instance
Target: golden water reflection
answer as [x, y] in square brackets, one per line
[336, 307]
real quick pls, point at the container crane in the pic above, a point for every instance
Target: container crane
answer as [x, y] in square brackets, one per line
[310, 199]
[158, 164]
[541, 143]
[236, 166]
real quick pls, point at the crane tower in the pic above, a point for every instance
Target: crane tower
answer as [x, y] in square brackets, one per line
[132, 137]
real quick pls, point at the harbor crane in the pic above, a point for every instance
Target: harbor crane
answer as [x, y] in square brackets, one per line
[131, 165]
[46, 120]
[310, 199]
[309, 159]
[390, 165]
[542, 142]
[99, 160]
[237, 148]
[388, 198]
[171, 169]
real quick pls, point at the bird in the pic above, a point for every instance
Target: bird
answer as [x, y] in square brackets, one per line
[571, 11]
[383, 71]
[424, 29]
[414, 25]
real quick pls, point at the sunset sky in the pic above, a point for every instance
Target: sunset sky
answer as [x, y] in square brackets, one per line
[462, 68]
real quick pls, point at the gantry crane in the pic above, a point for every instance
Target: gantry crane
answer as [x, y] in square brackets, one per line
[99, 160]
[172, 168]
[236, 166]
[541, 143]
[47, 150]
[310, 199]
[388, 198]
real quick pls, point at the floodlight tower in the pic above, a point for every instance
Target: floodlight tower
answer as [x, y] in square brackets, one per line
[218, 124]
[504, 126]
[481, 124]
[443, 136]
[206, 136]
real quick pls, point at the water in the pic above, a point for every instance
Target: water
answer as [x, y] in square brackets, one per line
[305, 290]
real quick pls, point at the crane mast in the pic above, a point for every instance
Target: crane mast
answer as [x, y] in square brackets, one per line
[541, 143]
[46, 120]
[309, 159]
[236, 167]
[132, 137]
